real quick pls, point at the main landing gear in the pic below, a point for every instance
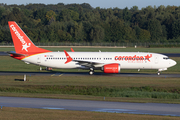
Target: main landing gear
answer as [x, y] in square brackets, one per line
[91, 72]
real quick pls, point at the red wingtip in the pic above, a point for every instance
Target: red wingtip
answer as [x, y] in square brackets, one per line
[69, 59]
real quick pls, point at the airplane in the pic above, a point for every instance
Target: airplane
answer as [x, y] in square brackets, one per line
[108, 62]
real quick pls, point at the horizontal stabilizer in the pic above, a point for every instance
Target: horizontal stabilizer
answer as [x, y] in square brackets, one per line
[16, 54]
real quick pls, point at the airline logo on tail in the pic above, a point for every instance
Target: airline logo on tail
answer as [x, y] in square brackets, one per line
[24, 44]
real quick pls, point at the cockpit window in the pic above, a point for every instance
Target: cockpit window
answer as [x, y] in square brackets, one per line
[165, 58]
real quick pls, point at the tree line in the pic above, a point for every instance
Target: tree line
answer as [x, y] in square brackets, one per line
[83, 23]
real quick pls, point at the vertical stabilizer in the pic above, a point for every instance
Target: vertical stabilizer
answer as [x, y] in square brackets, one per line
[21, 41]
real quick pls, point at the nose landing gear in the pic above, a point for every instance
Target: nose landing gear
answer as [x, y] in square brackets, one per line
[160, 70]
[91, 72]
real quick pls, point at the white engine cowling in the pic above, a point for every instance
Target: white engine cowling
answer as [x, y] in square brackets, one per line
[111, 68]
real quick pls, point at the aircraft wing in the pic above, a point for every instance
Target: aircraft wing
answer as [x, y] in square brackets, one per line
[83, 63]
[88, 63]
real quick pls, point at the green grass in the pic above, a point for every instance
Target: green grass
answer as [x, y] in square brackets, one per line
[103, 49]
[133, 92]
[126, 89]
[11, 64]
[8, 113]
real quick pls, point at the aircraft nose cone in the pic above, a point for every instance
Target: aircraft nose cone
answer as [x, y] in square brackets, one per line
[173, 63]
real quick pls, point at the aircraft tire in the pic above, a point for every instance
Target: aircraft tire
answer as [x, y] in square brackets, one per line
[91, 72]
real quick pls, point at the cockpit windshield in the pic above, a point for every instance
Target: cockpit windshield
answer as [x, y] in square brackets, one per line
[165, 58]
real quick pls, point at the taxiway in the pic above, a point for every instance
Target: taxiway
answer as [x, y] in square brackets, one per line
[97, 106]
[87, 74]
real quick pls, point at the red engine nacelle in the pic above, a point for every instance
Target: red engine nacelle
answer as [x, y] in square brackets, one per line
[112, 68]
[48, 68]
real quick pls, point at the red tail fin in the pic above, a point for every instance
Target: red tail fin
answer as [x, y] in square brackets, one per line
[21, 41]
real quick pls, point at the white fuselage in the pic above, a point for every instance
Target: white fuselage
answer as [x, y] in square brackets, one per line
[127, 60]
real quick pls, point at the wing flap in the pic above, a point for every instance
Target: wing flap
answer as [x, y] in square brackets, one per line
[89, 63]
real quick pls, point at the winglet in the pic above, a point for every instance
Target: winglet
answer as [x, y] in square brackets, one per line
[72, 50]
[69, 59]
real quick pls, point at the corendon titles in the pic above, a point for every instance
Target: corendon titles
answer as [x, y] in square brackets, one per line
[134, 58]
[18, 34]
[24, 44]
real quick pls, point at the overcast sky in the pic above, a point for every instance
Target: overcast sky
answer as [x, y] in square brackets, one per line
[101, 3]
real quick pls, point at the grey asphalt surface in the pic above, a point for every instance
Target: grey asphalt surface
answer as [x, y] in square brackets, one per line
[98, 106]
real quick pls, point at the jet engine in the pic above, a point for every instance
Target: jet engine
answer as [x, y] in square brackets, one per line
[111, 68]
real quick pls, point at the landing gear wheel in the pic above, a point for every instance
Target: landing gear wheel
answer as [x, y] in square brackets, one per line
[91, 72]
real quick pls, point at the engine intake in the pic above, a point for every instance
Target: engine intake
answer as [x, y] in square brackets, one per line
[111, 68]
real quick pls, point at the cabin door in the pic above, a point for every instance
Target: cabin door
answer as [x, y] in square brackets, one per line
[39, 59]
[156, 59]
